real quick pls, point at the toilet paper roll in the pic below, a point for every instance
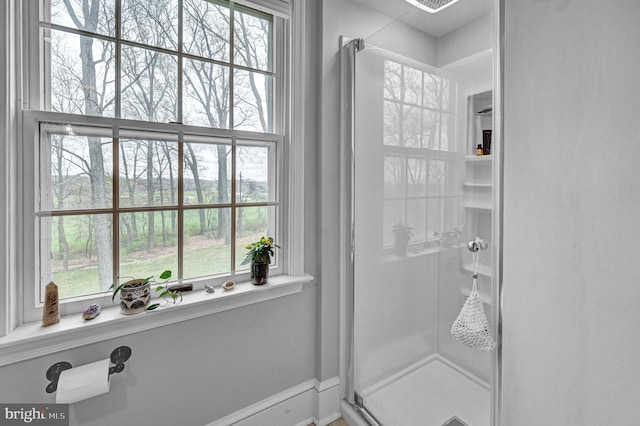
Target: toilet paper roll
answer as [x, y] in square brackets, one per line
[84, 382]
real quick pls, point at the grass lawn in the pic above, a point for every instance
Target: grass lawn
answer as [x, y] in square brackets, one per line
[201, 261]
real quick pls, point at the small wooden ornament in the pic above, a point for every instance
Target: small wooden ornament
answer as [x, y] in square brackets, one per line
[51, 310]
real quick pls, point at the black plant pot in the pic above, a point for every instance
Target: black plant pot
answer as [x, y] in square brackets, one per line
[259, 272]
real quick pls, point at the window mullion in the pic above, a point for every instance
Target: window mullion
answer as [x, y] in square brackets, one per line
[234, 208]
[180, 206]
[115, 200]
[179, 112]
[118, 57]
[232, 21]
[234, 205]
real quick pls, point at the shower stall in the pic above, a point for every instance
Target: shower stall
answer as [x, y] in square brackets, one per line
[420, 159]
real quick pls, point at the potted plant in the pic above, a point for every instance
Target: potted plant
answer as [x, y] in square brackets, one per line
[402, 234]
[449, 238]
[135, 293]
[259, 255]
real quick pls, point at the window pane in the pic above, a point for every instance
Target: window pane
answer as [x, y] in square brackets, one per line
[148, 173]
[96, 16]
[432, 91]
[82, 76]
[206, 20]
[253, 101]
[205, 250]
[75, 172]
[206, 94]
[430, 129]
[149, 85]
[437, 178]
[412, 85]
[76, 254]
[448, 95]
[392, 80]
[447, 133]
[411, 126]
[255, 170]
[392, 123]
[151, 22]
[148, 244]
[253, 39]
[394, 177]
[207, 173]
[416, 177]
[252, 223]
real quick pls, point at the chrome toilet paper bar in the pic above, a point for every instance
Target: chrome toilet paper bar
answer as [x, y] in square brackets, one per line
[118, 357]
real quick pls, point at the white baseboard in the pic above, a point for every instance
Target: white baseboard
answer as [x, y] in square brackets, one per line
[329, 395]
[309, 402]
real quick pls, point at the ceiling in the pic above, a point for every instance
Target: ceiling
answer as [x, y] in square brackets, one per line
[434, 24]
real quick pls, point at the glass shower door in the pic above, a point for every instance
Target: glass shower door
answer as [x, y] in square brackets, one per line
[419, 194]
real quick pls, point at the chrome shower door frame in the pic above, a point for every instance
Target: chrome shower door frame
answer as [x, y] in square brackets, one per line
[348, 54]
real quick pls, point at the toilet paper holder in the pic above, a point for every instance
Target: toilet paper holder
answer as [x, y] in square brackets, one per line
[118, 357]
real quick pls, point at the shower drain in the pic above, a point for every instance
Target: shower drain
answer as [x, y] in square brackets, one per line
[454, 421]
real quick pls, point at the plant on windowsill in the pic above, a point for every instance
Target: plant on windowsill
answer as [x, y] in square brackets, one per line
[259, 255]
[449, 239]
[402, 234]
[135, 293]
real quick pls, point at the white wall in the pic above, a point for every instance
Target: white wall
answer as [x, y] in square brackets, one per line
[194, 372]
[190, 373]
[474, 37]
[571, 222]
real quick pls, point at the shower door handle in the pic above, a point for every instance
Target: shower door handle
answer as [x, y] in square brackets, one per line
[477, 244]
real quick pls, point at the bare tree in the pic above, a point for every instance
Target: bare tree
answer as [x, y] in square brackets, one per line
[94, 104]
[208, 84]
[149, 81]
[191, 161]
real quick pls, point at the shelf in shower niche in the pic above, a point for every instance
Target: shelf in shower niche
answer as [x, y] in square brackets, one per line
[482, 269]
[477, 185]
[478, 158]
[480, 205]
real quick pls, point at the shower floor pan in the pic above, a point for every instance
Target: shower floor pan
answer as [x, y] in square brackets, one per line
[431, 394]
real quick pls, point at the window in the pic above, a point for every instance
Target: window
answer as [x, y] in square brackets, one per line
[420, 153]
[157, 128]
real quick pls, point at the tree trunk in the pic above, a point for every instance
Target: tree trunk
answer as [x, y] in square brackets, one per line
[151, 234]
[193, 165]
[223, 185]
[96, 174]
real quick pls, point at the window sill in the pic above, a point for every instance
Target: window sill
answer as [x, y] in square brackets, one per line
[32, 340]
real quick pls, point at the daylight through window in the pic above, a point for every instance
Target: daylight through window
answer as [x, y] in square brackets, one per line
[118, 199]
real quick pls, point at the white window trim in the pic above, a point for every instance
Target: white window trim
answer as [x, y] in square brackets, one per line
[20, 341]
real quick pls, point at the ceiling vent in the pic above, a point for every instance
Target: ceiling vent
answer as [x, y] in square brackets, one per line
[432, 6]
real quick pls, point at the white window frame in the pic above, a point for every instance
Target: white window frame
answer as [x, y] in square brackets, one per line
[23, 339]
